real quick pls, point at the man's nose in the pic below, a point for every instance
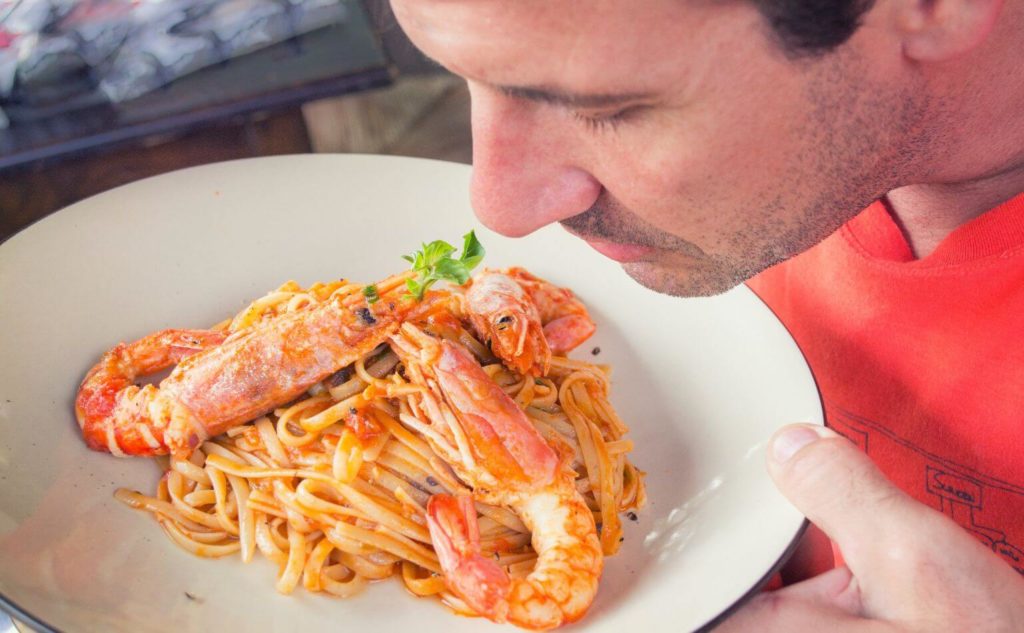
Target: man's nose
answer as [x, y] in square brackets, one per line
[524, 176]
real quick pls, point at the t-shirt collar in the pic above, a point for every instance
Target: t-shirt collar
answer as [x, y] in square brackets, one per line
[992, 233]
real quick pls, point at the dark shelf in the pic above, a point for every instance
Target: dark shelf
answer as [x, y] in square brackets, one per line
[335, 60]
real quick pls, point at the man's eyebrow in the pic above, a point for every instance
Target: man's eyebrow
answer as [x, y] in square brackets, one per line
[571, 99]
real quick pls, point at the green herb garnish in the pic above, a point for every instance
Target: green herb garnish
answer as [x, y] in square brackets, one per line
[370, 292]
[435, 263]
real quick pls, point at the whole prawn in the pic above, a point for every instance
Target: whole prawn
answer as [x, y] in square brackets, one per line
[525, 318]
[507, 462]
[222, 381]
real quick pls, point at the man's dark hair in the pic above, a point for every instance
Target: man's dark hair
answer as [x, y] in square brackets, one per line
[812, 27]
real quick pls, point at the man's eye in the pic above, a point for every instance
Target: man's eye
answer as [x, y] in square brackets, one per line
[602, 122]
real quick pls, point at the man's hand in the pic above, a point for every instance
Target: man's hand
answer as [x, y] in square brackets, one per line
[909, 568]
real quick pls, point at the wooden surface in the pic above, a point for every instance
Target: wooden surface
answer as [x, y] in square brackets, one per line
[27, 194]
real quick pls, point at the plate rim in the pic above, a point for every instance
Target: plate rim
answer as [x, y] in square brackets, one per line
[805, 524]
[37, 624]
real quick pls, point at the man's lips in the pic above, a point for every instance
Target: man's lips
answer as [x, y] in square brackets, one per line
[620, 252]
[614, 250]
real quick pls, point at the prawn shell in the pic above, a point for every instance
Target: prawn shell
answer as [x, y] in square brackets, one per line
[271, 365]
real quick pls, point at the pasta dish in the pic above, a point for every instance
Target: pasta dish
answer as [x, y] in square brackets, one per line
[350, 433]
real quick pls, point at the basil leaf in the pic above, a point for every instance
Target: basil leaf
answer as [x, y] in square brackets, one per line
[452, 270]
[472, 251]
[435, 252]
[434, 262]
[415, 288]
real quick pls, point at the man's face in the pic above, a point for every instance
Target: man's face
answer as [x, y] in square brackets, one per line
[673, 135]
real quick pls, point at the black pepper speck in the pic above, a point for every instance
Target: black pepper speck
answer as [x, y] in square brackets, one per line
[365, 316]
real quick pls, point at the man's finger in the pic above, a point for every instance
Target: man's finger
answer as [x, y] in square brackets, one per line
[840, 490]
[911, 563]
[836, 588]
[830, 601]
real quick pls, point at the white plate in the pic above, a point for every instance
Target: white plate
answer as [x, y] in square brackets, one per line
[702, 382]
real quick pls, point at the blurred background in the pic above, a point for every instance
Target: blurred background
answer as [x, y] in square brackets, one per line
[99, 93]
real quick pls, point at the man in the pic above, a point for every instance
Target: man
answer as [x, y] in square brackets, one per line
[702, 142]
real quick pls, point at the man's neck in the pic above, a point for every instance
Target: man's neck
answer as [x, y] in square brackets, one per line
[928, 213]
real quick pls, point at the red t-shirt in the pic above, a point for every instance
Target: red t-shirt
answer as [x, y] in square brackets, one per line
[920, 362]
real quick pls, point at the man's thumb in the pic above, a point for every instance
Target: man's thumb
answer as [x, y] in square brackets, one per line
[839, 489]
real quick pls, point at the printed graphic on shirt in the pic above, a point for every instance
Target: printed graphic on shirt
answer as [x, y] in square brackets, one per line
[989, 508]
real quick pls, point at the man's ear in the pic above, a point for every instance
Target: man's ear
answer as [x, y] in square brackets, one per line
[937, 30]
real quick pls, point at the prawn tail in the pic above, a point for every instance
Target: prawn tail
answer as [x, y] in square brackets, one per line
[123, 418]
[478, 580]
[121, 422]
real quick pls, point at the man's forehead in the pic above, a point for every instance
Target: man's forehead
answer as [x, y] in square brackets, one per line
[575, 45]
